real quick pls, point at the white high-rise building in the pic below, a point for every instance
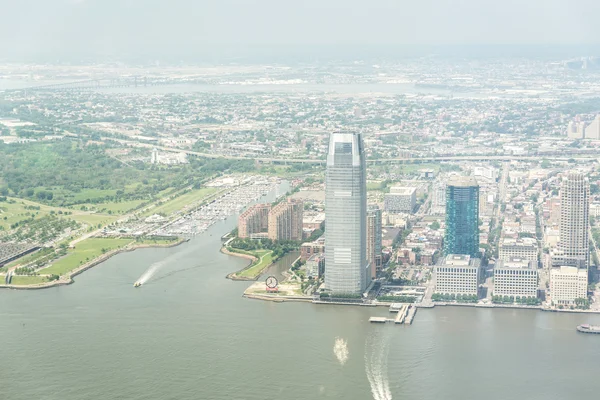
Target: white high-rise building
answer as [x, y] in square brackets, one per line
[576, 130]
[346, 267]
[573, 244]
[592, 131]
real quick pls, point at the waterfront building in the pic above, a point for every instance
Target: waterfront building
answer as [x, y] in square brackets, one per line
[347, 268]
[314, 266]
[285, 220]
[374, 239]
[568, 283]
[253, 221]
[573, 244]
[525, 248]
[458, 274]
[592, 131]
[516, 277]
[400, 199]
[462, 216]
[308, 249]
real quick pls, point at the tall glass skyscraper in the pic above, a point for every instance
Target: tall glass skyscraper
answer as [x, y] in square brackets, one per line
[462, 216]
[346, 265]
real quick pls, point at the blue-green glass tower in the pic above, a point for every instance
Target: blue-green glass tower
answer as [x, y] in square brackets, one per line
[462, 216]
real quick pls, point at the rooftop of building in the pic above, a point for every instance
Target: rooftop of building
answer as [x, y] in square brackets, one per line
[402, 190]
[462, 181]
[460, 260]
[515, 263]
[569, 270]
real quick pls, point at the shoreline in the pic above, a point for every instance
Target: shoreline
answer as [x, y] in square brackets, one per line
[284, 298]
[233, 275]
[68, 279]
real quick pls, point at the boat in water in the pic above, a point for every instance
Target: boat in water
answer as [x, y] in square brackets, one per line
[137, 284]
[586, 328]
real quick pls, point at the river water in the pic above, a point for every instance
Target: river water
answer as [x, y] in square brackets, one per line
[188, 334]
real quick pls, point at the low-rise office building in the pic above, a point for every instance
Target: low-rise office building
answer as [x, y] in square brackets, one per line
[516, 277]
[525, 248]
[458, 274]
[568, 283]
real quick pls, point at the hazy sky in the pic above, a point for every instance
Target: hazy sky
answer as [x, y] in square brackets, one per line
[30, 27]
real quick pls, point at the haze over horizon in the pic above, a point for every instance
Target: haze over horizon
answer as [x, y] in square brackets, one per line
[57, 29]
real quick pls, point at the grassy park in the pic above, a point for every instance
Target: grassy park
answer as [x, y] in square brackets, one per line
[264, 259]
[83, 252]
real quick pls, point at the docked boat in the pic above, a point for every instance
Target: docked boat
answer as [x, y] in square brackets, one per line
[586, 328]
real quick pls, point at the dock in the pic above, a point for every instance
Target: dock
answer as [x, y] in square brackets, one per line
[405, 314]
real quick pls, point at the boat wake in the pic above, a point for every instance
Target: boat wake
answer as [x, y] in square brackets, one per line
[376, 354]
[340, 349]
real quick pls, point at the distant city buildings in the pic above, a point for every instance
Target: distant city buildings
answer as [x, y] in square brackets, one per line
[462, 217]
[400, 199]
[347, 269]
[458, 274]
[374, 239]
[515, 277]
[581, 130]
[285, 220]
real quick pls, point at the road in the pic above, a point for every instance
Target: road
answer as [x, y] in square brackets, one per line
[408, 160]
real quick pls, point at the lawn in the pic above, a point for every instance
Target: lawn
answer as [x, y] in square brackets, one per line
[115, 207]
[264, 260]
[83, 252]
[375, 185]
[28, 280]
[180, 202]
[93, 219]
[11, 212]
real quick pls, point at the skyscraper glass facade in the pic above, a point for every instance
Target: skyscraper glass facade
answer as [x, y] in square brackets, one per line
[346, 265]
[462, 217]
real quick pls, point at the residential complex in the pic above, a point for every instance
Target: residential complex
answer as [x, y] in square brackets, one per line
[400, 199]
[462, 216]
[254, 221]
[347, 269]
[285, 220]
[458, 274]
[516, 277]
[573, 244]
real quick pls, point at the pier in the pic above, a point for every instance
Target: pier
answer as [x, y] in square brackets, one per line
[405, 314]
